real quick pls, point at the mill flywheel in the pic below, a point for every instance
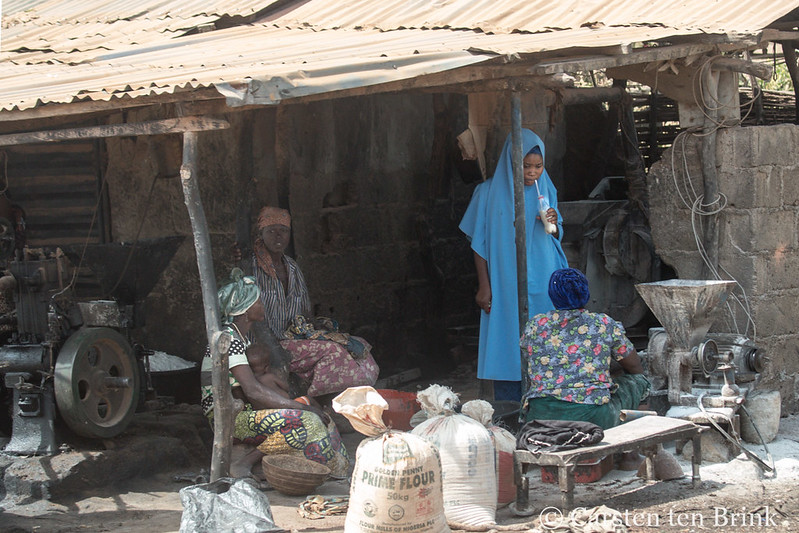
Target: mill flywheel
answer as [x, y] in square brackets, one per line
[96, 382]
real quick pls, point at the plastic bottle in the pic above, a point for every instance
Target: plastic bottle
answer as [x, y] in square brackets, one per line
[543, 207]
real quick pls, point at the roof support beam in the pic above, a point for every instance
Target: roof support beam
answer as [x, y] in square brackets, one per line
[122, 101]
[644, 55]
[155, 127]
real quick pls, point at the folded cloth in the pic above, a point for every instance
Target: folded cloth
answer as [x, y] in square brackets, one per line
[324, 328]
[557, 435]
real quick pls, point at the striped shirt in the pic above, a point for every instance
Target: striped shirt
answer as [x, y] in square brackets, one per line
[282, 306]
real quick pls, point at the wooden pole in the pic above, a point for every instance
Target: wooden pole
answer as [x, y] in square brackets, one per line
[519, 221]
[634, 171]
[154, 127]
[789, 51]
[218, 341]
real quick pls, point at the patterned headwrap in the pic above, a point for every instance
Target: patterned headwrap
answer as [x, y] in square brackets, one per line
[568, 289]
[269, 216]
[237, 296]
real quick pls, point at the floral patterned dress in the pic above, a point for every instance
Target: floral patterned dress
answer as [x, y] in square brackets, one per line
[569, 354]
[325, 365]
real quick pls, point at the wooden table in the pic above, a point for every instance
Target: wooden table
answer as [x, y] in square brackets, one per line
[643, 434]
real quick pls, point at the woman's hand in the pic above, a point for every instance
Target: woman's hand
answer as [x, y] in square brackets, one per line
[552, 216]
[483, 297]
[318, 412]
[235, 252]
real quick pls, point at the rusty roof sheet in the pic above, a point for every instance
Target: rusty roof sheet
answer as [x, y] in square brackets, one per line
[505, 16]
[63, 52]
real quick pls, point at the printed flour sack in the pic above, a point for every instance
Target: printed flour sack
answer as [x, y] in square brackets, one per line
[467, 458]
[396, 484]
[504, 446]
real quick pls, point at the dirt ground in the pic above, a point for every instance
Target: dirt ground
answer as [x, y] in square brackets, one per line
[733, 496]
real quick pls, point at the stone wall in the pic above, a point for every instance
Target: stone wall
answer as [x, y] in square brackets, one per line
[758, 172]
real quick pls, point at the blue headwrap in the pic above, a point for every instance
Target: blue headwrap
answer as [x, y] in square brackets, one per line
[238, 295]
[568, 289]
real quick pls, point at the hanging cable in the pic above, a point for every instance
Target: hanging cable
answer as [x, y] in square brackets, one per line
[136, 239]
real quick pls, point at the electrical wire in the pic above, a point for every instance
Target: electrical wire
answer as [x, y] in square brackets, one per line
[737, 442]
[138, 233]
[85, 242]
[695, 202]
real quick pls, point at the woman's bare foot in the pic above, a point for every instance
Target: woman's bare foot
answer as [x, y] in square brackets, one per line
[239, 470]
[243, 467]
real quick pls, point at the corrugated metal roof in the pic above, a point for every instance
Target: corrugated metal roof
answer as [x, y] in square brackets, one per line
[91, 49]
[504, 16]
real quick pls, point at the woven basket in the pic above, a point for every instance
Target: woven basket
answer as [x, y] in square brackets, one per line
[293, 475]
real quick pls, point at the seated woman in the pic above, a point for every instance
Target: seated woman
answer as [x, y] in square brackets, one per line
[569, 352]
[326, 360]
[270, 420]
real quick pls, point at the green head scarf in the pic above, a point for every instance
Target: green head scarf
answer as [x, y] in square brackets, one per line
[237, 295]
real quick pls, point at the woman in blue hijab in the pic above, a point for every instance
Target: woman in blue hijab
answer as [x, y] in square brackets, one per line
[488, 224]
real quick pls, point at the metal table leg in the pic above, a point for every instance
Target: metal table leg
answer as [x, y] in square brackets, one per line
[566, 482]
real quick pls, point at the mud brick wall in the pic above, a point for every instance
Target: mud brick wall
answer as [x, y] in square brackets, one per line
[374, 216]
[758, 172]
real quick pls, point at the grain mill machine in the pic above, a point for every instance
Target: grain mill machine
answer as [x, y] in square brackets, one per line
[74, 353]
[721, 367]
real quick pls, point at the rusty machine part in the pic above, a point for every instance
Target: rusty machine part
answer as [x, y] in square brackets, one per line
[685, 356]
[75, 354]
[96, 382]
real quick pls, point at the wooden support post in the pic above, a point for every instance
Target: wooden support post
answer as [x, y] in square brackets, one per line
[218, 341]
[789, 51]
[520, 220]
[634, 171]
[566, 483]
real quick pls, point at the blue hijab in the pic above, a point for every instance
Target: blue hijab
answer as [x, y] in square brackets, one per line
[488, 224]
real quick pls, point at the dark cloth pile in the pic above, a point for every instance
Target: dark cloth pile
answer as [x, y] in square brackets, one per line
[557, 435]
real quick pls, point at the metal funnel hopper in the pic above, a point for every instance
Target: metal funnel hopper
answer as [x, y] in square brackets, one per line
[126, 271]
[685, 307]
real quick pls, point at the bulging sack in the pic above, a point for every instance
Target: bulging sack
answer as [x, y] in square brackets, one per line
[396, 484]
[467, 458]
[396, 487]
[504, 446]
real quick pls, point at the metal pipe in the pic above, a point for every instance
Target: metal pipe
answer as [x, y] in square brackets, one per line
[628, 415]
[113, 382]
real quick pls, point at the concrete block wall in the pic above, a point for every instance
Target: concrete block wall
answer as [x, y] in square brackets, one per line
[758, 172]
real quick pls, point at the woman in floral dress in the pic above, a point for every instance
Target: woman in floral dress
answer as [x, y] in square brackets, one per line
[569, 352]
